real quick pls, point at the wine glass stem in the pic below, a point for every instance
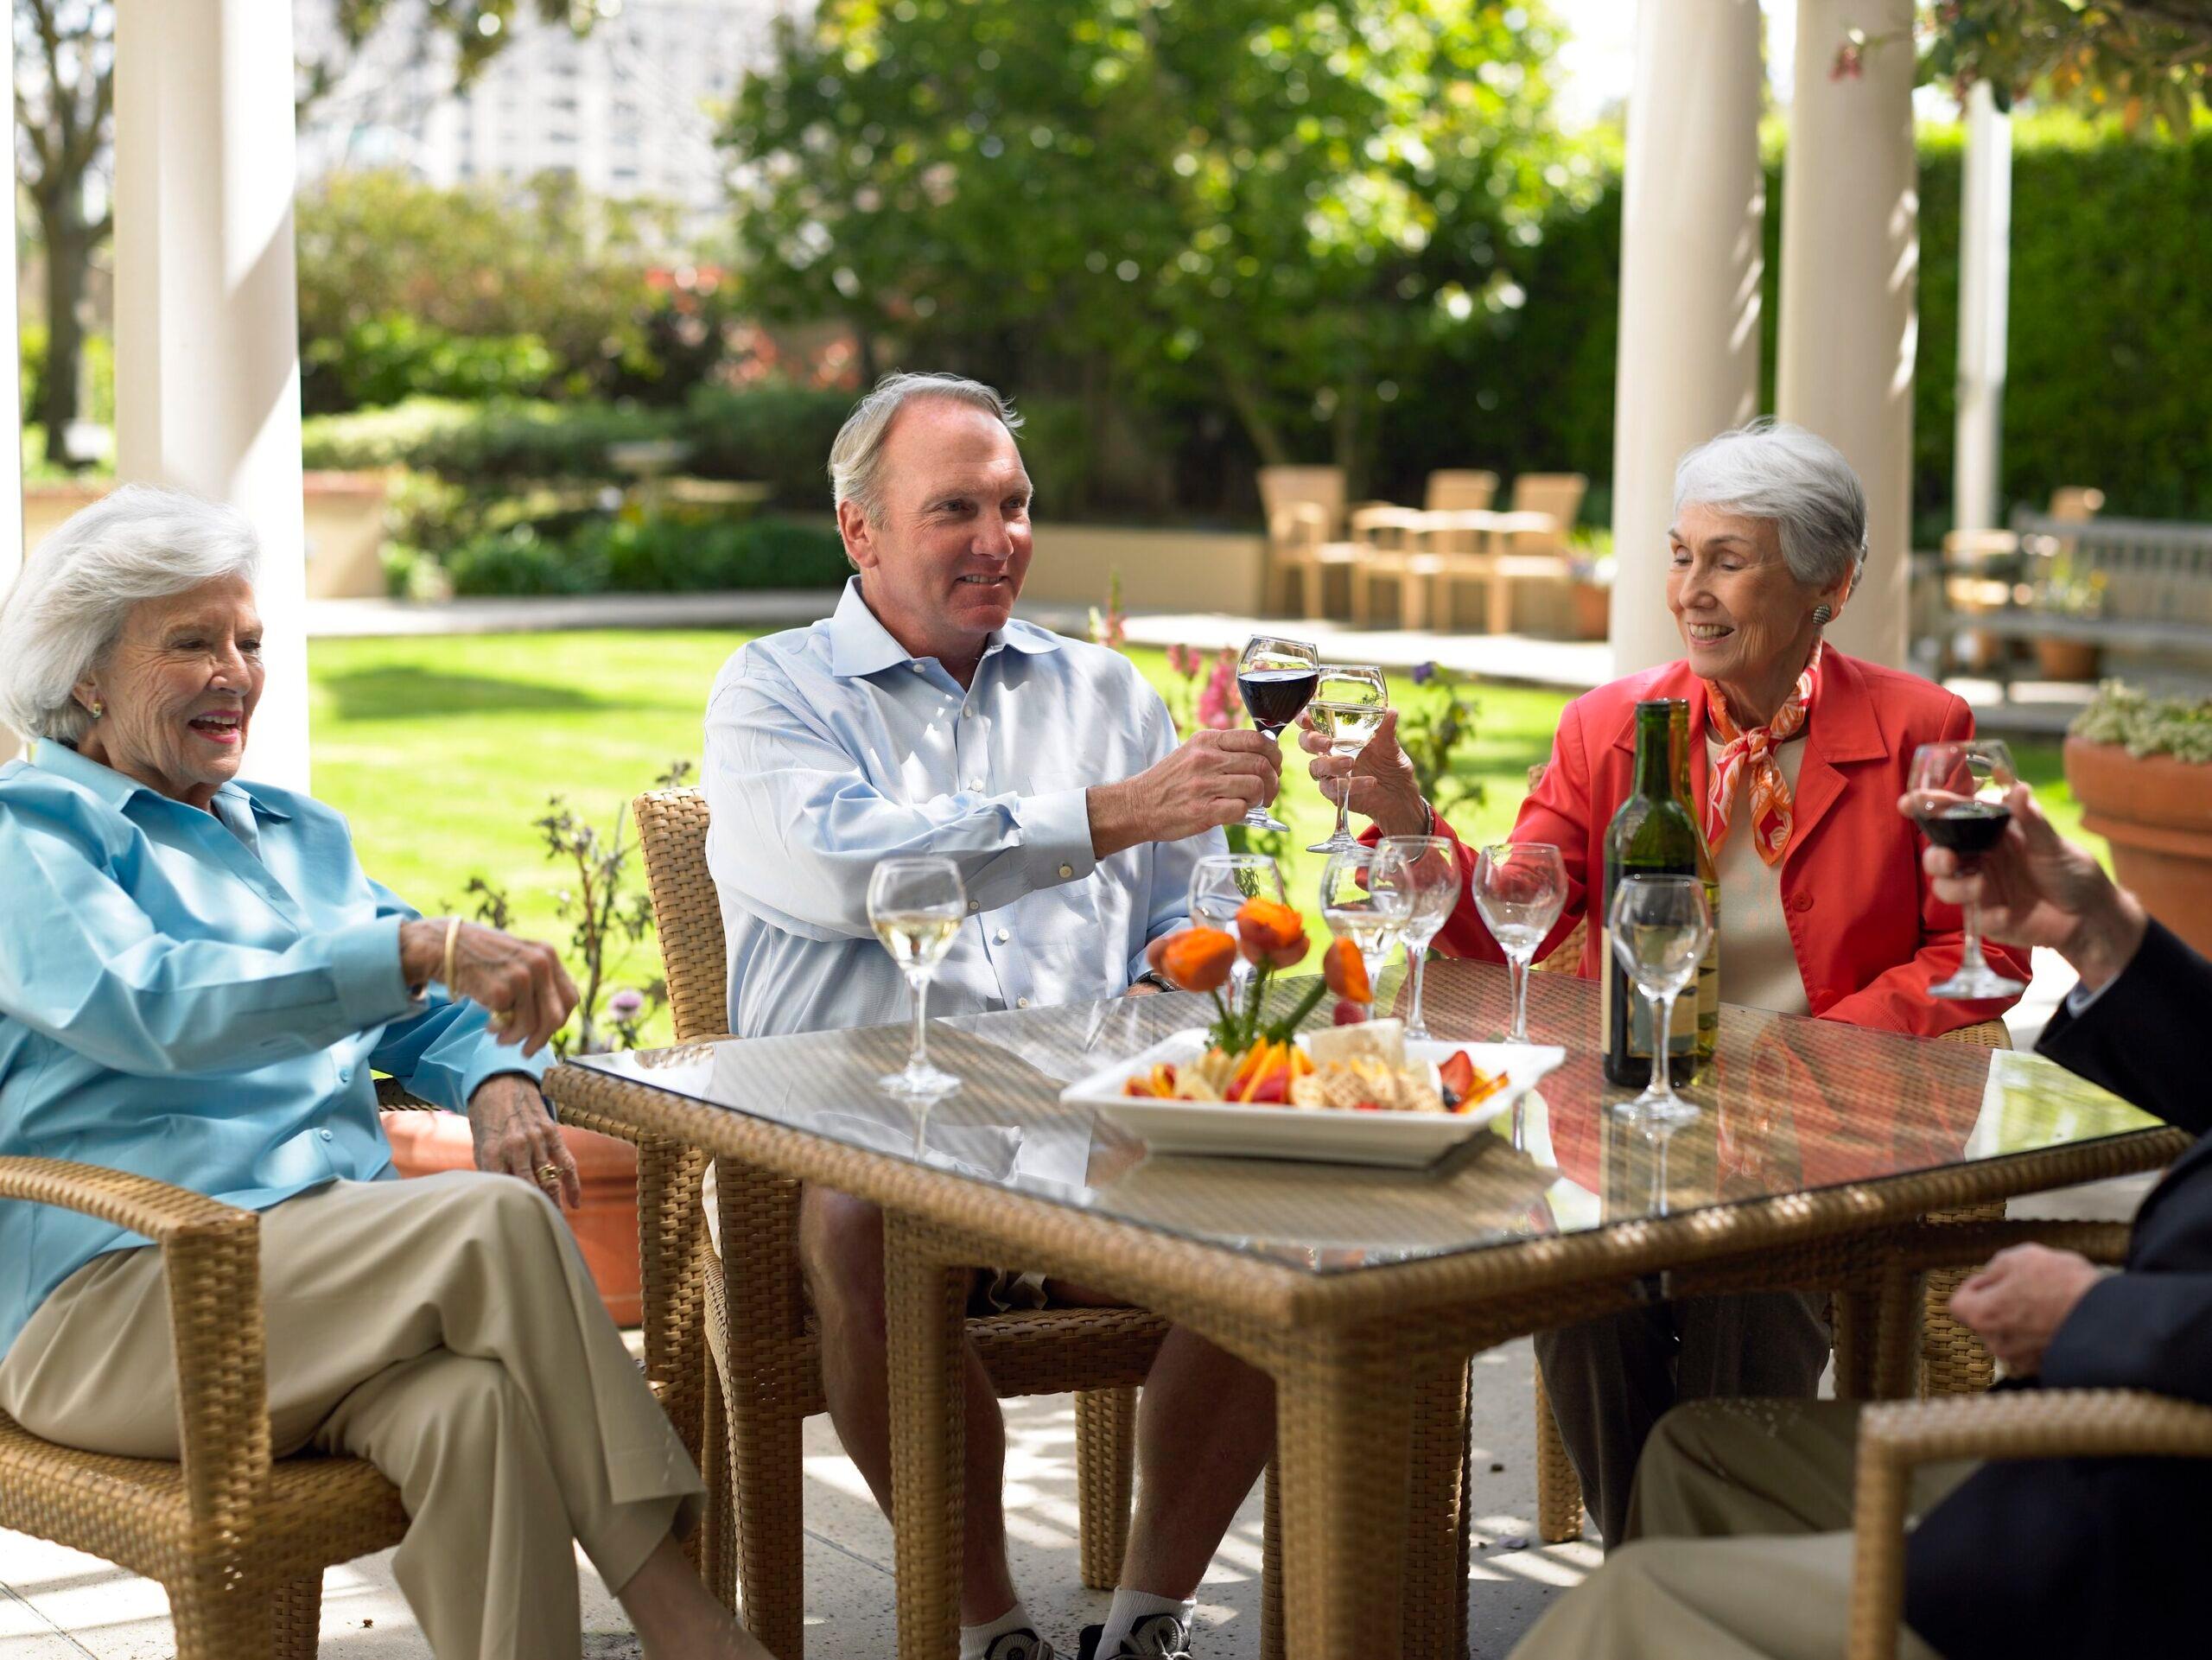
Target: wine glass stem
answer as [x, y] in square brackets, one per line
[1517, 966]
[1970, 952]
[1344, 814]
[1663, 1047]
[1416, 955]
[918, 1058]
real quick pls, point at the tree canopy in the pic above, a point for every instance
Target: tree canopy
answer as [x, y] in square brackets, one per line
[1287, 204]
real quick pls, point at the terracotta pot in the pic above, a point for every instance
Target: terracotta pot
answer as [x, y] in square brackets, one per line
[1593, 607]
[2067, 659]
[425, 1142]
[2157, 813]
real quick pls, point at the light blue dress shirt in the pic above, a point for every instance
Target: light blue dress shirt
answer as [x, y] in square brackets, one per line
[831, 748]
[198, 997]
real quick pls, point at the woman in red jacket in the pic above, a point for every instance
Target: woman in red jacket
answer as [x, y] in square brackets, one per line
[1798, 755]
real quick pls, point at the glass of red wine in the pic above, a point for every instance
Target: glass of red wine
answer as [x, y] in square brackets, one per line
[1958, 797]
[1276, 679]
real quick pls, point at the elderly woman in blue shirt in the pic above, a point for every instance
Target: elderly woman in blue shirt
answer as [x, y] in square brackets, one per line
[196, 980]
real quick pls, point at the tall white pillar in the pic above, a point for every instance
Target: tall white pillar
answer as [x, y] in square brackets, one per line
[1694, 202]
[11, 423]
[1850, 270]
[1985, 273]
[207, 332]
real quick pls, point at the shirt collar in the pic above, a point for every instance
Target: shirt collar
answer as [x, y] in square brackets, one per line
[860, 646]
[117, 789]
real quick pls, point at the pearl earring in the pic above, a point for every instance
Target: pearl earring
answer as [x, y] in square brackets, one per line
[1822, 613]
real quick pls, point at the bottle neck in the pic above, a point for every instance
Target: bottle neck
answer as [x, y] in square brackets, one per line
[1653, 769]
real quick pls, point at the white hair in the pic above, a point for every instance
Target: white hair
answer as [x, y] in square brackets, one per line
[67, 607]
[1770, 470]
[856, 457]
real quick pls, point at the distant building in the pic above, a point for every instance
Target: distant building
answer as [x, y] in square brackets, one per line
[628, 110]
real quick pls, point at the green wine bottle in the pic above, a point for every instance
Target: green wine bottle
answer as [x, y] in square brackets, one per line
[1652, 835]
[1708, 969]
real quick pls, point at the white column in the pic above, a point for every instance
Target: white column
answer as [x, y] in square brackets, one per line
[1694, 202]
[1850, 268]
[11, 424]
[206, 333]
[1985, 272]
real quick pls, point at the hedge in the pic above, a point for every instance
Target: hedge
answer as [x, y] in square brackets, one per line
[650, 555]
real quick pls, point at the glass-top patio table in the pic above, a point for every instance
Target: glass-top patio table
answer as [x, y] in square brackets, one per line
[1361, 1290]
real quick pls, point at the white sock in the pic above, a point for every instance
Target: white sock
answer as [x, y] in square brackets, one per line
[1131, 1606]
[975, 1640]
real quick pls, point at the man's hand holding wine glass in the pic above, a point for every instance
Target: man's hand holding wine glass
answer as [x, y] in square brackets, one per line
[2034, 887]
[1211, 778]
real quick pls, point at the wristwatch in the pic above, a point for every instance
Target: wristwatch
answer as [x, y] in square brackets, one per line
[1153, 978]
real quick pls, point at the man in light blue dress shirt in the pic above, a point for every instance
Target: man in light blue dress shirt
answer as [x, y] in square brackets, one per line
[921, 719]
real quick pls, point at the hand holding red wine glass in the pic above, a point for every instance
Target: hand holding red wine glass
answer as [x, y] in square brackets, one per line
[1958, 792]
[1277, 679]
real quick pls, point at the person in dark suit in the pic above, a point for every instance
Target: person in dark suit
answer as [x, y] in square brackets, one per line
[1741, 1512]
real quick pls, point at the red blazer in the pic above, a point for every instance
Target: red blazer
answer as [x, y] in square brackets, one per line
[1869, 937]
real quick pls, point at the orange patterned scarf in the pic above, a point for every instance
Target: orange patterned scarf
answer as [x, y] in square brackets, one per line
[1753, 752]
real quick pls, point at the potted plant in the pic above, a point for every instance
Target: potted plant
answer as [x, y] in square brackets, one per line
[2141, 767]
[1592, 596]
[2063, 593]
[607, 918]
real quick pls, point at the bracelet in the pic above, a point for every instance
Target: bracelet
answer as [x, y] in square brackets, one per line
[453, 933]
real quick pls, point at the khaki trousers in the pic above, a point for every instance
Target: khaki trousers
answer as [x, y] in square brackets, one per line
[1740, 1525]
[444, 1329]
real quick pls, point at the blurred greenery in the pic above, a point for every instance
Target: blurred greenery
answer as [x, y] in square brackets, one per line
[442, 751]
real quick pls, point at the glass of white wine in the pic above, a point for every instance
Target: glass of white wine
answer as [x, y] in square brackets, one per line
[1347, 709]
[1366, 897]
[915, 907]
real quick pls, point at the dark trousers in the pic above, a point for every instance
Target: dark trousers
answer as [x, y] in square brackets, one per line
[1610, 1380]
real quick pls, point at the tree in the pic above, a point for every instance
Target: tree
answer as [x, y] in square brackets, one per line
[1282, 207]
[65, 104]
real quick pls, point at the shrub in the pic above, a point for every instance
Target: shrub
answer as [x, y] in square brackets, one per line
[504, 439]
[662, 554]
[774, 434]
[2180, 727]
[388, 359]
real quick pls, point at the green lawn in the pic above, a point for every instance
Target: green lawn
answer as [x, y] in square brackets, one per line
[442, 751]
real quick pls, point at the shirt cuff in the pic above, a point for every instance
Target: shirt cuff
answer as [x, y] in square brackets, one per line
[492, 1059]
[1055, 835]
[365, 973]
[2079, 999]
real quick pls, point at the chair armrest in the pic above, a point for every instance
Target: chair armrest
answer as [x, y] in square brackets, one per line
[210, 1256]
[2056, 1423]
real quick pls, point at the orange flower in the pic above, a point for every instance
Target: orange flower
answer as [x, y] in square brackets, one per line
[1345, 970]
[1197, 959]
[1266, 928]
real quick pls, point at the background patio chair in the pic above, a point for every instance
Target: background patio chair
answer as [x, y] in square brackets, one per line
[239, 1539]
[1304, 509]
[1459, 490]
[760, 1335]
[1388, 543]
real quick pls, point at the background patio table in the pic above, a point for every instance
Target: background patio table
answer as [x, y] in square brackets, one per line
[1358, 1289]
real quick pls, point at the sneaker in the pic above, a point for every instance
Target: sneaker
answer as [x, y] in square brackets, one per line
[1156, 1637]
[1024, 1644]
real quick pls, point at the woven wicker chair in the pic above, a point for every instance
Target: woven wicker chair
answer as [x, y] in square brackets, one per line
[239, 1539]
[765, 1349]
[2043, 1424]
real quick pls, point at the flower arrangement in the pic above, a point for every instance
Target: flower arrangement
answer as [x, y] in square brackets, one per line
[1270, 936]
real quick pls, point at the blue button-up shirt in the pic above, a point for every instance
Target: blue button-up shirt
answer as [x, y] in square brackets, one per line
[831, 748]
[198, 997]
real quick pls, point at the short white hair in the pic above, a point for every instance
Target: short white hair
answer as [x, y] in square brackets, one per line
[67, 609]
[856, 457]
[1771, 469]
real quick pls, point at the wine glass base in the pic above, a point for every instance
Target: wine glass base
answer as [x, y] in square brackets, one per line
[923, 1082]
[1346, 842]
[1418, 1032]
[1260, 819]
[1973, 985]
[1655, 1109]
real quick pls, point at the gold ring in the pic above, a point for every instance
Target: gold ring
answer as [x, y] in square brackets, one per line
[549, 1175]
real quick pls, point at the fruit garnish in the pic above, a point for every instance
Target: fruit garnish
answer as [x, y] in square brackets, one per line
[1457, 1075]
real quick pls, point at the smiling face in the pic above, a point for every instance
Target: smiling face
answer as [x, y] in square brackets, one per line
[177, 691]
[943, 561]
[1745, 618]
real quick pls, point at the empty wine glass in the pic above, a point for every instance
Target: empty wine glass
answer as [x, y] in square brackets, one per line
[1427, 867]
[1275, 677]
[1363, 900]
[1220, 883]
[1659, 926]
[1519, 889]
[1959, 792]
[1350, 701]
[915, 907]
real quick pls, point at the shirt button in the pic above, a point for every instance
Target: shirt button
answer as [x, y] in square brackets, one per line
[1002, 936]
[1803, 902]
[345, 1074]
[916, 667]
[967, 714]
[975, 784]
[974, 904]
[1067, 870]
[324, 1133]
[1022, 1002]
